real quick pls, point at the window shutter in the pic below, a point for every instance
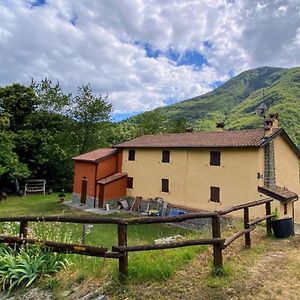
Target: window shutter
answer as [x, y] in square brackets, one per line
[131, 155]
[215, 158]
[214, 194]
[130, 182]
[165, 185]
[165, 156]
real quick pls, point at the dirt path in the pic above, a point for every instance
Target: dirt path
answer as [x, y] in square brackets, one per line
[269, 270]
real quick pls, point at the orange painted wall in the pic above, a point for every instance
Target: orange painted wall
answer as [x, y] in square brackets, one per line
[84, 169]
[107, 167]
[120, 158]
[115, 189]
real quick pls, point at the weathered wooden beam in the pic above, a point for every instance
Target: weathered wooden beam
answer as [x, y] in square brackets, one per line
[23, 229]
[169, 219]
[65, 219]
[211, 241]
[59, 247]
[246, 226]
[244, 205]
[123, 258]
[260, 219]
[268, 212]
[236, 236]
[217, 248]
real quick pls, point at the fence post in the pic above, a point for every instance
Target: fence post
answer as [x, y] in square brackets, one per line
[23, 229]
[246, 226]
[123, 260]
[217, 249]
[268, 221]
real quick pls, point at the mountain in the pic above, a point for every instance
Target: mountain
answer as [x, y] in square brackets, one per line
[235, 101]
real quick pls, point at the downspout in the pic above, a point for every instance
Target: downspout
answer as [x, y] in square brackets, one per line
[95, 190]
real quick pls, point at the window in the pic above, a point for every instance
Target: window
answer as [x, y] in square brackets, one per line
[130, 182]
[214, 194]
[131, 155]
[285, 208]
[215, 158]
[165, 185]
[165, 156]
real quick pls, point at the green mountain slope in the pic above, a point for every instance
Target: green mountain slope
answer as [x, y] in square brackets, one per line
[283, 96]
[235, 101]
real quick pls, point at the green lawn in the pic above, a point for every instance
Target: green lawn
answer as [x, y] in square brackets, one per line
[152, 265]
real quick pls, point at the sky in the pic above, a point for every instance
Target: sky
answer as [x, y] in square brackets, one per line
[144, 53]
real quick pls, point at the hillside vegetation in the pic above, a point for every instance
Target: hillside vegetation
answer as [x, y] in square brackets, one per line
[235, 101]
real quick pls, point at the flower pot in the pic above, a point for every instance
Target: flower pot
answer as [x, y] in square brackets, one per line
[283, 228]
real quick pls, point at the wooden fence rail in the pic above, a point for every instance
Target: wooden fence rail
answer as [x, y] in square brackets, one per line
[120, 251]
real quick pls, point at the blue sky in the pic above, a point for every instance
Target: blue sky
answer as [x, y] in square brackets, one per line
[144, 54]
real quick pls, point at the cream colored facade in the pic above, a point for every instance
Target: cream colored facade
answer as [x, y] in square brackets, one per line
[287, 172]
[191, 176]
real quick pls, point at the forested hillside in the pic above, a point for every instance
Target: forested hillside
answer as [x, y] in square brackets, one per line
[235, 101]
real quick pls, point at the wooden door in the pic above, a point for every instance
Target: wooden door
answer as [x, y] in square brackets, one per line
[101, 195]
[83, 190]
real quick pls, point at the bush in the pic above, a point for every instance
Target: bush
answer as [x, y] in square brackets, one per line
[30, 263]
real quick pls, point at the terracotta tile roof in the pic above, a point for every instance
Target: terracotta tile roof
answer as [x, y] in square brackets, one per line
[96, 155]
[278, 193]
[234, 138]
[112, 178]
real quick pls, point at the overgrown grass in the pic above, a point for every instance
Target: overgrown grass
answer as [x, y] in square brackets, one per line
[150, 265]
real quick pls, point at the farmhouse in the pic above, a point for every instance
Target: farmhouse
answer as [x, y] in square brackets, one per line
[196, 170]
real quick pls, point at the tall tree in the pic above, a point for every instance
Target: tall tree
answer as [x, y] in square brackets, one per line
[50, 96]
[19, 102]
[91, 115]
[9, 161]
[151, 122]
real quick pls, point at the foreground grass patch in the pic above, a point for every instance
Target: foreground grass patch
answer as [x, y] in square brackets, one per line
[150, 265]
[162, 264]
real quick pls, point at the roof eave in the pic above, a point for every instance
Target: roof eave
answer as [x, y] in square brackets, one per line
[286, 137]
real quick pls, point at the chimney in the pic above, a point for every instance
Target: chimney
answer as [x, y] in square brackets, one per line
[275, 118]
[220, 126]
[271, 123]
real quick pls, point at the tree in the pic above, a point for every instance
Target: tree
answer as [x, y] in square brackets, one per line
[151, 122]
[90, 115]
[9, 160]
[19, 102]
[50, 96]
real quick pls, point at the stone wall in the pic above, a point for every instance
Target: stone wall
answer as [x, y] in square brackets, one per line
[269, 174]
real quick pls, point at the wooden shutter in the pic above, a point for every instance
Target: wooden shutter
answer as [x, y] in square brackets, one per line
[165, 156]
[165, 185]
[131, 155]
[130, 182]
[215, 158]
[214, 194]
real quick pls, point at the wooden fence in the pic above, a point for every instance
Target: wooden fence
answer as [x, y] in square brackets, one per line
[120, 251]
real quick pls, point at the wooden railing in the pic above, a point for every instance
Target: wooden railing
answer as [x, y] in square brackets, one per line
[120, 251]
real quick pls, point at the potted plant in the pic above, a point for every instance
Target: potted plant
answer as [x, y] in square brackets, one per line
[282, 228]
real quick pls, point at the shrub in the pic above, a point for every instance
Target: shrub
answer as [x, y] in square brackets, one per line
[30, 263]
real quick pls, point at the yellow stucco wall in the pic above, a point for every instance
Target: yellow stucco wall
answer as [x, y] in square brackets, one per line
[191, 176]
[287, 172]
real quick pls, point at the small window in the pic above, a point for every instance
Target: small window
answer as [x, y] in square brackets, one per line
[165, 156]
[214, 194]
[285, 208]
[131, 155]
[215, 158]
[165, 185]
[130, 182]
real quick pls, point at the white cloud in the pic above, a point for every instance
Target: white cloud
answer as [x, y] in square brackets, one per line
[103, 46]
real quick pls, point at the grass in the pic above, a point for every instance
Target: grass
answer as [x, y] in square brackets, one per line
[151, 265]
